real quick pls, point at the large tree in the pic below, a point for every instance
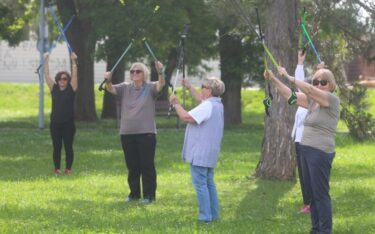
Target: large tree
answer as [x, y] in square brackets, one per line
[277, 156]
[82, 38]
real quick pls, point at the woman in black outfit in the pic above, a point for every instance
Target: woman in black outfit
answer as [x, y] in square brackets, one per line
[62, 127]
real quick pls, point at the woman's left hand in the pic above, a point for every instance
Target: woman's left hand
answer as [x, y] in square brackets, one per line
[73, 56]
[159, 67]
[173, 100]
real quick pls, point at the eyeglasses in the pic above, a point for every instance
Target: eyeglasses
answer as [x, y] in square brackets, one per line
[135, 71]
[321, 82]
[205, 87]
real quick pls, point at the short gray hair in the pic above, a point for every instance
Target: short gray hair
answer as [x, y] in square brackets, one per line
[144, 68]
[216, 85]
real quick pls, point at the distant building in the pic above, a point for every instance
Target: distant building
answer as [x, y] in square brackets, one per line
[18, 64]
[360, 69]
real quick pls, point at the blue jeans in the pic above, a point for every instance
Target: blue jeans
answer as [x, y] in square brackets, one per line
[203, 181]
[316, 169]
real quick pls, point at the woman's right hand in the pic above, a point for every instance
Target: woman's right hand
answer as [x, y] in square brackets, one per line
[108, 76]
[268, 75]
[46, 56]
[186, 83]
[282, 71]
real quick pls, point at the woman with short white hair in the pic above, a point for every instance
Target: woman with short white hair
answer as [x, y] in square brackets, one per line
[138, 128]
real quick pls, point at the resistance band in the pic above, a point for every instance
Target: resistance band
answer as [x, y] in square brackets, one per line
[145, 22]
[56, 41]
[62, 32]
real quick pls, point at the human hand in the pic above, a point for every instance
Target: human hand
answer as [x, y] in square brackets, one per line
[108, 76]
[186, 83]
[282, 71]
[46, 56]
[173, 100]
[320, 65]
[301, 56]
[268, 75]
[73, 57]
[159, 67]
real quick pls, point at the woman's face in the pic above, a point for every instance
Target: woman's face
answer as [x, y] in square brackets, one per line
[63, 81]
[321, 84]
[136, 73]
[206, 91]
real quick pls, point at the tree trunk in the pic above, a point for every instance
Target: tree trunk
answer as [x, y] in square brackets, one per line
[110, 102]
[84, 46]
[231, 57]
[278, 157]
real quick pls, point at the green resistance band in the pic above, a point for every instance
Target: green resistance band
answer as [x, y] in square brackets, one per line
[293, 98]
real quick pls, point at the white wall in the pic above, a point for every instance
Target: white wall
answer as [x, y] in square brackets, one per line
[18, 64]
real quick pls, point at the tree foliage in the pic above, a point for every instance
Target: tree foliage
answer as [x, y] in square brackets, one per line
[15, 20]
[345, 29]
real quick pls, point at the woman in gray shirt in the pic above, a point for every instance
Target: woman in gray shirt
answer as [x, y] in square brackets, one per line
[138, 128]
[318, 139]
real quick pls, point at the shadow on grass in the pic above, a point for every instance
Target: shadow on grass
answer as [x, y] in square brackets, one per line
[262, 204]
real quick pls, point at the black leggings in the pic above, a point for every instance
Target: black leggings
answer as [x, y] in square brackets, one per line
[63, 132]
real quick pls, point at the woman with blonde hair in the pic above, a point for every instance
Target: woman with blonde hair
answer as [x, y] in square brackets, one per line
[318, 139]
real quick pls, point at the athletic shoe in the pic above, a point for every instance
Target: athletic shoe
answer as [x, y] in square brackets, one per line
[305, 209]
[67, 171]
[57, 172]
[147, 201]
[131, 199]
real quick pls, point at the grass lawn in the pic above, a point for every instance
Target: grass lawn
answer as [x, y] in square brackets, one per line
[91, 199]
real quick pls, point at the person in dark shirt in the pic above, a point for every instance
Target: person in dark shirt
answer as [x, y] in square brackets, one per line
[62, 126]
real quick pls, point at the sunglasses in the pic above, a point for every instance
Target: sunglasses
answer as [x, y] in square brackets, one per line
[62, 78]
[135, 71]
[321, 82]
[205, 87]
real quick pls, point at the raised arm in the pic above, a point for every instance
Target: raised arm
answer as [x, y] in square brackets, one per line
[109, 86]
[284, 90]
[181, 112]
[74, 81]
[193, 92]
[299, 73]
[310, 91]
[47, 77]
[161, 81]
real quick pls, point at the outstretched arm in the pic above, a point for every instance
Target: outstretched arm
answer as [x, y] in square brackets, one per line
[181, 112]
[310, 91]
[194, 93]
[284, 90]
[161, 81]
[74, 82]
[47, 77]
[108, 78]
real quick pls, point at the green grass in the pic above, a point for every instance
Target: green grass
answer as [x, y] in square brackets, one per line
[91, 200]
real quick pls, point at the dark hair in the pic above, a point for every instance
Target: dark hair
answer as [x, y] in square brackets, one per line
[59, 74]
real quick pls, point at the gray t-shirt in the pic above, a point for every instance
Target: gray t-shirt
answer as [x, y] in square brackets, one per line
[320, 125]
[137, 107]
